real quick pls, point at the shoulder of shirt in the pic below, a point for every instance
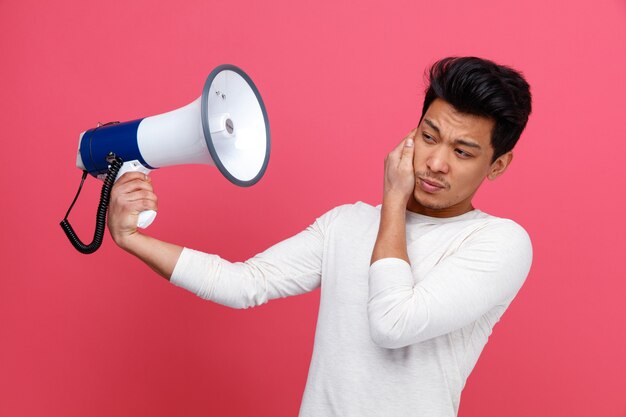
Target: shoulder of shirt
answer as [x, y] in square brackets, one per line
[357, 208]
[350, 211]
[503, 228]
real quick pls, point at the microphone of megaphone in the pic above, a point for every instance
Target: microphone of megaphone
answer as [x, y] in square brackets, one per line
[226, 127]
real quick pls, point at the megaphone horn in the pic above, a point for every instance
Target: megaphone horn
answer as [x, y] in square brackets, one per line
[227, 127]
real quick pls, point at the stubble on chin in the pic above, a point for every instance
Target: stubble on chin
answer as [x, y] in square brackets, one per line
[431, 205]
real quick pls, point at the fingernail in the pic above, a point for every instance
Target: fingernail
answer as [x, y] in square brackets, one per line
[409, 142]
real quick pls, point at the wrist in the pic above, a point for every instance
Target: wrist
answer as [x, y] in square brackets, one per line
[129, 242]
[393, 214]
[391, 238]
[395, 200]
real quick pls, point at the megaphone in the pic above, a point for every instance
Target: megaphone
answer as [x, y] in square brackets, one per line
[226, 127]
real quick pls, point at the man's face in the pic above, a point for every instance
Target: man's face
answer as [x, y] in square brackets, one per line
[453, 155]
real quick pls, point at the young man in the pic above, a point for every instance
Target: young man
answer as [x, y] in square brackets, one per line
[410, 290]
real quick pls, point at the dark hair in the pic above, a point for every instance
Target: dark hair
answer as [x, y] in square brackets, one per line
[482, 88]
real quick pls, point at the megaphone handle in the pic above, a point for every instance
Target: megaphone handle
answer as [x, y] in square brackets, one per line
[145, 217]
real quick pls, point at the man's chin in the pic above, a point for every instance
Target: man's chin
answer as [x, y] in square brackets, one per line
[425, 205]
[429, 202]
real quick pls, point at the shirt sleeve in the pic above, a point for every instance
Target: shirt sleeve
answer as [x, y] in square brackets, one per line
[290, 267]
[486, 271]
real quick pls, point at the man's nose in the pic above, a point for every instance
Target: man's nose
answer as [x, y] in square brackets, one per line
[438, 160]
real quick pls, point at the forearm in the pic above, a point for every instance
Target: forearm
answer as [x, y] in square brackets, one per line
[474, 278]
[158, 255]
[391, 239]
[288, 268]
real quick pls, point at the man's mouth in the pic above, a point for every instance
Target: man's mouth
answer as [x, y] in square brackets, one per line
[430, 186]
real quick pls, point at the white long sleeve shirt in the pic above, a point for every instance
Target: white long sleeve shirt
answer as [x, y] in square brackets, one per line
[392, 339]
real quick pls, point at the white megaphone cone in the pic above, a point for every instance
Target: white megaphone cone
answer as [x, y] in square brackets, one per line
[227, 127]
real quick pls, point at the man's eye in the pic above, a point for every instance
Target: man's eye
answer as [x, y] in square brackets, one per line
[428, 138]
[462, 153]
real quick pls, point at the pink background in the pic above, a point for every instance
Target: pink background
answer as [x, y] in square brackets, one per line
[101, 335]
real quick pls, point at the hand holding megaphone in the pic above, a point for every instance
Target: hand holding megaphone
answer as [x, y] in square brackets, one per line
[132, 194]
[146, 217]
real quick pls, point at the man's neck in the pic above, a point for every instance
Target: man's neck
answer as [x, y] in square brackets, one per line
[453, 211]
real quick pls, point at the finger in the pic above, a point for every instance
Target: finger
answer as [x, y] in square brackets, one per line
[400, 146]
[407, 150]
[411, 135]
[396, 153]
[130, 176]
[134, 208]
[143, 205]
[132, 185]
[127, 202]
[140, 195]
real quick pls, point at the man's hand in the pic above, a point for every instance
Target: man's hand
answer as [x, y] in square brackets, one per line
[131, 194]
[399, 171]
[399, 185]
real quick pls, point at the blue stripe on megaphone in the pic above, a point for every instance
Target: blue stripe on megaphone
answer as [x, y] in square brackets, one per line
[119, 138]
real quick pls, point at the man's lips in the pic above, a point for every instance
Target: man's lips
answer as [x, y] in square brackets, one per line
[430, 186]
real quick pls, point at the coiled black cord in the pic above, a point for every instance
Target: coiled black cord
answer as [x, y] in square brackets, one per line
[114, 167]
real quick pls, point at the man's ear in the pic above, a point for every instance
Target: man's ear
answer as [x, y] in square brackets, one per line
[500, 165]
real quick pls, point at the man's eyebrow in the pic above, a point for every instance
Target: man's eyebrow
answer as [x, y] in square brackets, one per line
[467, 143]
[463, 142]
[432, 125]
